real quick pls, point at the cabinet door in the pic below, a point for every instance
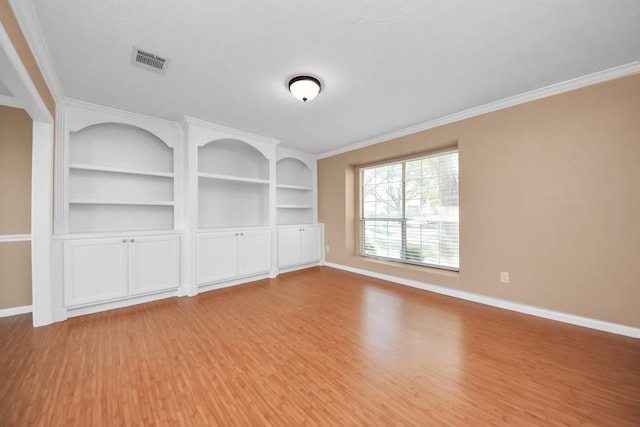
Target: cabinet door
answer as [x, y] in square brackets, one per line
[255, 252]
[289, 246]
[217, 257]
[94, 271]
[311, 244]
[154, 264]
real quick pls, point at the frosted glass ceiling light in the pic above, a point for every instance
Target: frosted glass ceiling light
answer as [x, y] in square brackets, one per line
[305, 88]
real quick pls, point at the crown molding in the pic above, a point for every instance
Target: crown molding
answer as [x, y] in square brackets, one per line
[75, 103]
[30, 27]
[227, 131]
[168, 131]
[554, 89]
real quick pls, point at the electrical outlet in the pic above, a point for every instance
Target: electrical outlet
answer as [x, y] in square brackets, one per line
[504, 277]
[328, 249]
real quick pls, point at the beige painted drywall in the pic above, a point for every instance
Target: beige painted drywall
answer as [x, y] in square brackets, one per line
[15, 206]
[15, 274]
[15, 171]
[549, 192]
[11, 26]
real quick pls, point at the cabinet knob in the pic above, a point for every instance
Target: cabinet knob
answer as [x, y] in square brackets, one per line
[132, 240]
[124, 240]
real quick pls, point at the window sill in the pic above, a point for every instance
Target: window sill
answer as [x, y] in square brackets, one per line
[409, 267]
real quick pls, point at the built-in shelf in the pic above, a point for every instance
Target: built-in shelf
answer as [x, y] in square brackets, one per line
[295, 192]
[294, 187]
[88, 167]
[233, 178]
[121, 173]
[230, 157]
[293, 207]
[120, 202]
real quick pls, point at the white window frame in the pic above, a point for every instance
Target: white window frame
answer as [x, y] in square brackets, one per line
[433, 226]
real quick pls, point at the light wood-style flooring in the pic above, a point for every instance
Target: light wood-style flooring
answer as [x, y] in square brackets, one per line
[318, 347]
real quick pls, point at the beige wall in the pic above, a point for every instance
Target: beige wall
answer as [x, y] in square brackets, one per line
[11, 26]
[15, 171]
[549, 191]
[15, 274]
[15, 206]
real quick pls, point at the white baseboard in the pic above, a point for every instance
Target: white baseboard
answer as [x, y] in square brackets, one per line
[501, 303]
[13, 311]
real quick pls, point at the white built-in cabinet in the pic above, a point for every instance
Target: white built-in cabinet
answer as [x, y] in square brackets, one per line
[115, 268]
[233, 214]
[230, 255]
[147, 208]
[299, 245]
[118, 179]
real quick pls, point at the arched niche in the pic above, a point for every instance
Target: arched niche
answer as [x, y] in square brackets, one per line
[232, 157]
[120, 145]
[291, 171]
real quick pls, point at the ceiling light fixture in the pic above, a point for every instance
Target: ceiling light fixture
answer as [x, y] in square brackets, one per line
[305, 88]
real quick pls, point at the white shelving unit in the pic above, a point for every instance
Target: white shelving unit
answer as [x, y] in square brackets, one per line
[233, 185]
[295, 188]
[118, 200]
[116, 172]
[232, 206]
[147, 209]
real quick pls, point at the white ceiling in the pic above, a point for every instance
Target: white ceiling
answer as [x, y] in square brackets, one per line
[385, 64]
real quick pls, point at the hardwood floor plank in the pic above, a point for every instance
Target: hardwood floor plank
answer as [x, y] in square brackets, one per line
[316, 347]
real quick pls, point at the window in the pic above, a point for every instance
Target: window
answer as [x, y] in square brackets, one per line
[409, 211]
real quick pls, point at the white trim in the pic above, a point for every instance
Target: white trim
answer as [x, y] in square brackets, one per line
[30, 27]
[60, 176]
[501, 303]
[15, 238]
[85, 114]
[554, 89]
[41, 223]
[215, 131]
[14, 311]
[16, 77]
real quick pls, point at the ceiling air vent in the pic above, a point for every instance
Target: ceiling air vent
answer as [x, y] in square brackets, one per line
[149, 61]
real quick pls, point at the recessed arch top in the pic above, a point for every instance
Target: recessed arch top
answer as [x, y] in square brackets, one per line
[120, 145]
[228, 156]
